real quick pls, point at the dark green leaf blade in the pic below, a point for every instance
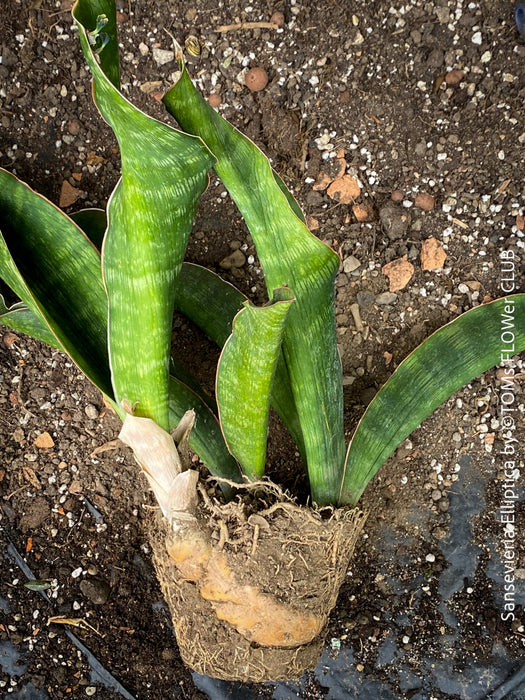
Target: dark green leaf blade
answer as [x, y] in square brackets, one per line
[93, 222]
[450, 358]
[290, 255]
[206, 438]
[150, 215]
[20, 318]
[50, 264]
[244, 379]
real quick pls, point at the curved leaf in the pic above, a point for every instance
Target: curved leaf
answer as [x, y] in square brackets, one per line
[244, 378]
[50, 264]
[150, 215]
[20, 318]
[450, 358]
[290, 255]
[211, 303]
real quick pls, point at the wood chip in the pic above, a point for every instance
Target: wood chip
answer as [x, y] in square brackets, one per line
[9, 339]
[345, 189]
[150, 86]
[246, 25]
[107, 446]
[520, 222]
[44, 441]
[68, 195]
[94, 159]
[399, 273]
[341, 163]
[433, 255]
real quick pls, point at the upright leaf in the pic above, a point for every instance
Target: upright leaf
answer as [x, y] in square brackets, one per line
[150, 215]
[212, 303]
[442, 364]
[245, 376]
[290, 255]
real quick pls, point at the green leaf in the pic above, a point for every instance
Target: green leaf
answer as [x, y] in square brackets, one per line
[93, 222]
[245, 376]
[54, 269]
[450, 358]
[206, 438]
[150, 215]
[212, 303]
[290, 255]
[20, 318]
[65, 305]
[208, 301]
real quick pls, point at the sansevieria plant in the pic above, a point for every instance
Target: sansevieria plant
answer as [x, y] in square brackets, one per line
[103, 287]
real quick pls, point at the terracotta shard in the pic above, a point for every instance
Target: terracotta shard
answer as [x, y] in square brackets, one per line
[44, 441]
[345, 189]
[433, 255]
[68, 195]
[399, 273]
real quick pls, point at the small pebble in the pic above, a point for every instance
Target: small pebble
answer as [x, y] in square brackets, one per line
[425, 201]
[350, 264]
[386, 298]
[277, 18]
[214, 100]
[162, 56]
[256, 79]
[397, 196]
[235, 259]
[454, 77]
[477, 38]
[91, 411]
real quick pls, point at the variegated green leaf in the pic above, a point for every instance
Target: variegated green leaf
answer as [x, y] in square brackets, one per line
[442, 364]
[54, 269]
[245, 376]
[290, 255]
[150, 215]
[212, 303]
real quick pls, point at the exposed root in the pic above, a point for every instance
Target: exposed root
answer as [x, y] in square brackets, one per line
[251, 583]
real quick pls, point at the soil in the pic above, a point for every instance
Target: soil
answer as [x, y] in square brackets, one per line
[418, 98]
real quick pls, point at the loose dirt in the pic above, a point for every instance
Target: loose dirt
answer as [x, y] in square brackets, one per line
[419, 105]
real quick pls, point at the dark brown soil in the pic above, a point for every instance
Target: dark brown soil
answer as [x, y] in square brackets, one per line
[366, 77]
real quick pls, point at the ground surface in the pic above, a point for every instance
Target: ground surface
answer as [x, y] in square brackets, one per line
[416, 97]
